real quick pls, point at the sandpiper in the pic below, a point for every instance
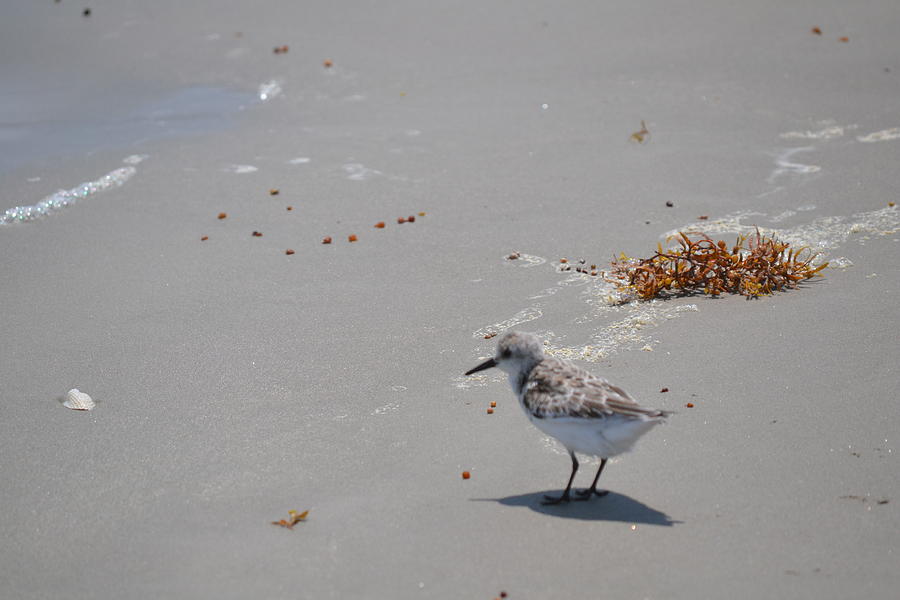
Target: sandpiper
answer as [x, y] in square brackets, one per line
[586, 413]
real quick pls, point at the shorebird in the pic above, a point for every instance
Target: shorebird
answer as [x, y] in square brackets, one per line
[586, 413]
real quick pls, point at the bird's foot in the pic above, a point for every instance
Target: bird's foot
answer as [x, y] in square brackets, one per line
[551, 500]
[586, 494]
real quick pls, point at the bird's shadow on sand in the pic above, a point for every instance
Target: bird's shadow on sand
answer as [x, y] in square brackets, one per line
[612, 507]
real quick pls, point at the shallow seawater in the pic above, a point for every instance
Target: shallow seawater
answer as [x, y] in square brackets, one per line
[43, 122]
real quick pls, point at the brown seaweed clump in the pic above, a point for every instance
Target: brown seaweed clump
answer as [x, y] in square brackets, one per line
[756, 265]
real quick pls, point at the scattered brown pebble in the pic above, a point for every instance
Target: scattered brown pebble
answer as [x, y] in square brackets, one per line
[401, 220]
[891, 204]
[326, 240]
[513, 256]
[690, 405]
[490, 411]
[421, 214]
[816, 31]
[351, 237]
[327, 63]
[87, 12]
[466, 474]
[563, 260]
[488, 336]
[664, 390]
[280, 49]
[703, 217]
[204, 238]
[410, 219]
[493, 404]
[223, 215]
[593, 267]
[290, 208]
[669, 203]
[844, 39]
[379, 225]
[503, 594]
[288, 251]
[257, 234]
[593, 273]
[882, 501]
[274, 192]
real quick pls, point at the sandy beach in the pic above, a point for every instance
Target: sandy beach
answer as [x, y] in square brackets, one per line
[179, 156]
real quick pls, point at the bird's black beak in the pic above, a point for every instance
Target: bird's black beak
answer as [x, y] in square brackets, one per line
[485, 365]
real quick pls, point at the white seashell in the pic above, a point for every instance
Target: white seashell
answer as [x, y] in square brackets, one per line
[78, 400]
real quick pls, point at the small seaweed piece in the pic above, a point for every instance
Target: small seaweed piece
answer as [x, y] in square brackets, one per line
[641, 136]
[294, 518]
[756, 265]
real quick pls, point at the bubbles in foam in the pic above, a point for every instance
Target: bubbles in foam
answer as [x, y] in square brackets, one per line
[64, 198]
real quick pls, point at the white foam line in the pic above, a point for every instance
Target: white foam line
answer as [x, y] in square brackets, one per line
[523, 316]
[820, 235]
[828, 133]
[64, 198]
[784, 166]
[627, 332]
[881, 136]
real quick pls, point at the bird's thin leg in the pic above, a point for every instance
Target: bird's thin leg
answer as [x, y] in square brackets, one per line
[565, 494]
[585, 494]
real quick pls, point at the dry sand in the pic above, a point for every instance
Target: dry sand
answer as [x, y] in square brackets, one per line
[234, 382]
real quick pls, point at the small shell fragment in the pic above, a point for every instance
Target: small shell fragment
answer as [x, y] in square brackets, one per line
[78, 400]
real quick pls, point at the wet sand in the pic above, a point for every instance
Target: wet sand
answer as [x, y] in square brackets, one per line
[235, 382]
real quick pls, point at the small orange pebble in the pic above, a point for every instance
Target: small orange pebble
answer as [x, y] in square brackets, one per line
[351, 238]
[690, 405]
[421, 214]
[257, 234]
[816, 31]
[703, 217]
[326, 240]
[223, 215]
[844, 39]
[466, 474]
[490, 411]
[288, 251]
[379, 225]
[290, 208]
[204, 238]
[401, 220]
[488, 336]
[563, 260]
[274, 192]
[593, 273]
[664, 390]
[410, 219]
[280, 49]
[891, 204]
[513, 256]
[327, 63]
[493, 404]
